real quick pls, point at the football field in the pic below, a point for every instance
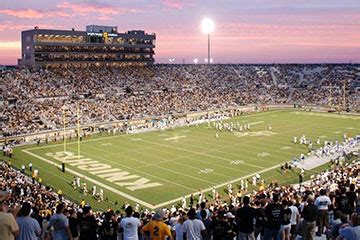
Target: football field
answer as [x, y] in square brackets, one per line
[157, 168]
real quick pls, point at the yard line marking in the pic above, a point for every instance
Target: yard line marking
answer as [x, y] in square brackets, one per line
[217, 186]
[255, 123]
[144, 173]
[93, 181]
[200, 153]
[129, 135]
[167, 169]
[174, 138]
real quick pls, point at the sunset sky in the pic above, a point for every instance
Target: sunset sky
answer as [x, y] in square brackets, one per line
[246, 31]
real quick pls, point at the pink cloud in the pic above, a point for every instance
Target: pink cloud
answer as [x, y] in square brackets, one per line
[99, 8]
[33, 13]
[178, 4]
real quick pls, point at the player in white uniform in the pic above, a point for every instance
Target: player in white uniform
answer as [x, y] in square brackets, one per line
[229, 187]
[214, 193]
[101, 194]
[183, 202]
[295, 139]
[78, 182]
[94, 190]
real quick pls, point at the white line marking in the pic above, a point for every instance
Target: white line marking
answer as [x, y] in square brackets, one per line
[255, 123]
[93, 181]
[174, 138]
[200, 153]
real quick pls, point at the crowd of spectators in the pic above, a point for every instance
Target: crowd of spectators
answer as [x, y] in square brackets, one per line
[32, 101]
[328, 206]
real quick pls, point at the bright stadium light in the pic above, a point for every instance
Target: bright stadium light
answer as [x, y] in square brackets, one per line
[196, 60]
[207, 27]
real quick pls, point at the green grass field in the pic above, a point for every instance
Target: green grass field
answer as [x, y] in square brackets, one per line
[158, 168]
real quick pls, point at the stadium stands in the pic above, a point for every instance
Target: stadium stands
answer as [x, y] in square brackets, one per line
[32, 100]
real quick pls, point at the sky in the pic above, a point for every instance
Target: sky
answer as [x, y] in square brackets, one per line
[246, 31]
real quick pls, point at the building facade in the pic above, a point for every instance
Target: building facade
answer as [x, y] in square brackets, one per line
[98, 45]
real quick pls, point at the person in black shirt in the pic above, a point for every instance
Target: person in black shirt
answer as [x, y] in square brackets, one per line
[207, 224]
[342, 201]
[88, 226]
[310, 215]
[351, 195]
[273, 219]
[107, 230]
[285, 220]
[73, 224]
[260, 218]
[220, 228]
[245, 217]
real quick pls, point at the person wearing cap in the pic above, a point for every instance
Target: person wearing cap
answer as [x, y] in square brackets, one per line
[194, 229]
[129, 225]
[245, 217]
[9, 229]
[29, 227]
[156, 229]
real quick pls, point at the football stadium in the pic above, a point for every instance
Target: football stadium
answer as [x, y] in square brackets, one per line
[101, 141]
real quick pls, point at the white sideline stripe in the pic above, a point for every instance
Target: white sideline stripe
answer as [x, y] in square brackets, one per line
[217, 186]
[94, 181]
[255, 123]
[174, 138]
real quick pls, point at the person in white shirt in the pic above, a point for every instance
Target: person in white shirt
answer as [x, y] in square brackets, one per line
[294, 218]
[129, 225]
[178, 229]
[194, 229]
[322, 202]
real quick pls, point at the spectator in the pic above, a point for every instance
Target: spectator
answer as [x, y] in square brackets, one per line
[60, 224]
[322, 202]
[309, 222]
[156, 229]
[194, 229]
[129, 225]
[352, 231]
[273, 219]
[294, 218]
[9, 229]
[29, 227]
[178, 233]
[285, 221]
[246, 216]
[88, 225]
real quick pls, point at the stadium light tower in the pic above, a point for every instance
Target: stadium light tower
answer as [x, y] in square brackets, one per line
[207, 27]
